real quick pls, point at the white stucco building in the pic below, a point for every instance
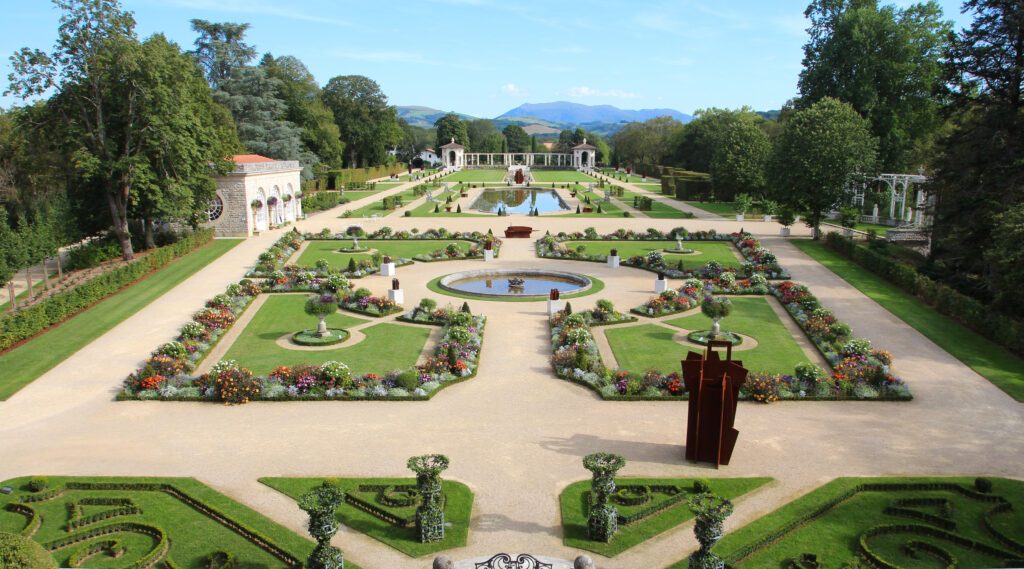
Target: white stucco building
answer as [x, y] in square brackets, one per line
[584, 156]
[259, 194]
[428, 156]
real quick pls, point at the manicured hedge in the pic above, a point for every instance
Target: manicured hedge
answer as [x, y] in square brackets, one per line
[977, 316]
[30, 321]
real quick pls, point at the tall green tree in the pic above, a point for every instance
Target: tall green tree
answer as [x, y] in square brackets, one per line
[221, 50]
[518, 140]
[368, 125]
[646, 142]
[123, 112]
[731, 145]
[305, 108]
[483, 136]
[820, 150]
[884, 61]
[979, 170]
[448, 127]
[251, 96]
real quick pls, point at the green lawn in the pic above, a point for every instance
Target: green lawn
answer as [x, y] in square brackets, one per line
[724, 252]
[725, 209]
[996, 364]
[358, 194]
[574, 502]
[631, 179]
[404, 248]
[658, 210]
[639, 348]
[486, 175]
[193, 536]
[457, 512]
[377, 207]
[35, 357]
[548, 176]
[596, 197]
[386, 347]
[834, 536]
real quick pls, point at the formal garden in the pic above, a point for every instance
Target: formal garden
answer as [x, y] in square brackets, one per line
[143, 522]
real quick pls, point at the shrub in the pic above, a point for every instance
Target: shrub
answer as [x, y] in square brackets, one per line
[18, 552]
[233, 384]
[719, 307]
[92, 253]
[408, 379]
[427, 305]
[856, 347]
[38, 483]
[763, 387]
[701, 486]
[983, 485]
[335, 374]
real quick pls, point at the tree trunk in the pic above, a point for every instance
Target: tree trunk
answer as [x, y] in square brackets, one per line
[816, 225]
[14, 299]
[28, 281]
[148, 225]
[46, 276]
[119, 218]
[60, 267]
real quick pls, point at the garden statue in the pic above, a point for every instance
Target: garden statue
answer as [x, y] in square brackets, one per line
[430, 195]
[710, 512]
[714, 386]
[321, 503]
[322, 306]
[430, 513]
[386, 260]
[604, 518]
[554, 294]
[394, 284]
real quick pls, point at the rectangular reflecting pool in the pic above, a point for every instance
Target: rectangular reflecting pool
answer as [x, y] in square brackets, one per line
[519, 200]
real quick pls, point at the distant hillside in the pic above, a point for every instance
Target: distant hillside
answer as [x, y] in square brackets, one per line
[424, 116]
[573, 114]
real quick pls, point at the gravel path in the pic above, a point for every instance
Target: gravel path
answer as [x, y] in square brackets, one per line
[516, 434]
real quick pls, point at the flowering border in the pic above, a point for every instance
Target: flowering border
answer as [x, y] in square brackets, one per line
[757, 259]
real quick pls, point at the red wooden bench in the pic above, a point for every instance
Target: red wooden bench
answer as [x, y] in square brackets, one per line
[518, 231]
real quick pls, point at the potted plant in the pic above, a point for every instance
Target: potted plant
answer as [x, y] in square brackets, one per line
[743, 203]
[272, 201]
[287, 198]
[848, 218]
[786, 218]
[770, 208]
[256, 205]
[321, 306]
[716, 309]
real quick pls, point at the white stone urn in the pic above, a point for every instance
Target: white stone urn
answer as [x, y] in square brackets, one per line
[767, 218]
[321, 328]
[739, 217]
[716, 328]
[784, 231]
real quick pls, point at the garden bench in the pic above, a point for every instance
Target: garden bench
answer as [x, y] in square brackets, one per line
[518, 231]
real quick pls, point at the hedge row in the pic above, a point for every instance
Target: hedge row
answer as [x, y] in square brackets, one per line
[320, 201]
[772, 537]
[35, 521]
[145, 562]
[79, 557]
[33, 320]
[250, 535]
[651, 510]
[970, 312]
[378, 512]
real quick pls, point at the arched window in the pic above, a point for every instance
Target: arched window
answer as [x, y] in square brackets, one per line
[216, 208]
[261, 213]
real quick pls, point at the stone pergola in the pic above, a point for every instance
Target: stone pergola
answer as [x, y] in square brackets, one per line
[582, 157]
[900, 187]
[453, 155]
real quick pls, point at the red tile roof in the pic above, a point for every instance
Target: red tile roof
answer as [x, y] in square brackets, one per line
[250, 159]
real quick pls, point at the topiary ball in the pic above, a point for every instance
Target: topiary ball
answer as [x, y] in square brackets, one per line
[18, 552]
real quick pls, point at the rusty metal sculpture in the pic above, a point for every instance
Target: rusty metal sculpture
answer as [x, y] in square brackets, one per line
[714, 386]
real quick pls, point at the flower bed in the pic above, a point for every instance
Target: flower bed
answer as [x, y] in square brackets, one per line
[858, 371]
[758, 260]
[166, 374]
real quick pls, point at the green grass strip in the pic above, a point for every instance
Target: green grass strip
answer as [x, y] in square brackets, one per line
[457, 512]
[659, 210]
[39, 355]
[992, 362]
[574, 512]
[596, 286]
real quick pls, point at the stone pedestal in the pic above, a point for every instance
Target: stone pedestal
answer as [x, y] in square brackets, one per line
[387, 269]
[739, 217]
[660, 285]
[554, 306]
[397, 296]
[784, 231]
[488, 255]
[613, 261]
[767, 218]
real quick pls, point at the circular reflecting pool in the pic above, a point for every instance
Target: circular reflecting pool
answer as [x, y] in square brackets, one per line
[514, 282]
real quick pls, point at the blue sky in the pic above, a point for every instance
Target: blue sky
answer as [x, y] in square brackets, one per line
[484, 57]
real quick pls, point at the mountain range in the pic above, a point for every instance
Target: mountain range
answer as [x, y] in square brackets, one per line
[550, 118]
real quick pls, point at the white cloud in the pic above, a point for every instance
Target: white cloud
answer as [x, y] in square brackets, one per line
[250, 7]
[513, 89]
[582, 92]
